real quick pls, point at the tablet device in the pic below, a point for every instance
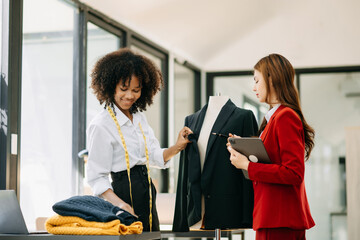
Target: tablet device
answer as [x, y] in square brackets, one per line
[252, 148]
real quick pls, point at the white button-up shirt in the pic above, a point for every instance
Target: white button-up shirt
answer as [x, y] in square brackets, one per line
[106, 151]
[271, 112]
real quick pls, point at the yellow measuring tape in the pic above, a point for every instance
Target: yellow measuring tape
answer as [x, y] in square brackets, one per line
[128, 162]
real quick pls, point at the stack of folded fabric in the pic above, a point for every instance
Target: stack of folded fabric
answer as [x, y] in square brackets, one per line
[89, 215]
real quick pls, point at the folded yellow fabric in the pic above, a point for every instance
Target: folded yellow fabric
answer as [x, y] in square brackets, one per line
[68, 225]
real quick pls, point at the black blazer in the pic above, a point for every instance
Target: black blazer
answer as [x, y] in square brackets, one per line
[228, 195]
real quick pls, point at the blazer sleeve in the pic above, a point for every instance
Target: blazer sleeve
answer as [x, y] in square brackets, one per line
[289, 168]
[180, 222]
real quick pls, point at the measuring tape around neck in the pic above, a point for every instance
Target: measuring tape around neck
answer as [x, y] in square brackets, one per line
[128, 162]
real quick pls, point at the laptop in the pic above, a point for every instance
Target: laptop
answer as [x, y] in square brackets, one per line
[11, 218]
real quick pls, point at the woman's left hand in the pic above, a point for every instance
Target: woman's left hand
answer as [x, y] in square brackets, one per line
[237, 159]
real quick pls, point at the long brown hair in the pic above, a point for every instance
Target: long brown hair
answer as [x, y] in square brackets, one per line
[281, 72]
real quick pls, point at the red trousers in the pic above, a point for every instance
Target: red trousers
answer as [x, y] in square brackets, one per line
[280, 234]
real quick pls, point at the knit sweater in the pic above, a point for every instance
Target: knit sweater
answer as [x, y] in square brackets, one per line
[78, 226]
[93, 208]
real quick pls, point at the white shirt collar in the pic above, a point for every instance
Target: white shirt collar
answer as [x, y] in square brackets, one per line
[121, 117]
[271, 112]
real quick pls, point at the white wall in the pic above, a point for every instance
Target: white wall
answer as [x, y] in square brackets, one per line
[310, 34]
[235, 34]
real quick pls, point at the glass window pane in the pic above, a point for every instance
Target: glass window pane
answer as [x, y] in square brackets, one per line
[239, 89]
[99, 43]
[184, 89]
[330, 102]
[1, 29]
[2, 78]
[46, 107]
[3, 109]
[153, 113]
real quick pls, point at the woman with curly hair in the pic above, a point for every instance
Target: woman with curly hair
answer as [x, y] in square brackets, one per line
[281, 209]
[120, 141]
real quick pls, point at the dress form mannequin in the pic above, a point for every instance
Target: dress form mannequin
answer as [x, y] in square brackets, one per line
[214, 107]
[229, 207]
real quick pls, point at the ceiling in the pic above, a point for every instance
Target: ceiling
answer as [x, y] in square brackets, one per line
[234, 34]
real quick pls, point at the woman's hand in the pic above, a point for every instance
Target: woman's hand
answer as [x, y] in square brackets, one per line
[127, 208]
[237, 159]
[180, 144]
[110, 196]
[182, 139]
[231, 136]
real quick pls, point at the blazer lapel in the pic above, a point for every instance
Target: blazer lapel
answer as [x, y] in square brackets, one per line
[194, 166]
[198, 121]
[266, 129]
[224, 114]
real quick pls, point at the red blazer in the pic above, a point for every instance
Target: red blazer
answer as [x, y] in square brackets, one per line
[279, 190]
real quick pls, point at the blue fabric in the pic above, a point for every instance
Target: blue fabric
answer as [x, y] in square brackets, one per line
[93, 208]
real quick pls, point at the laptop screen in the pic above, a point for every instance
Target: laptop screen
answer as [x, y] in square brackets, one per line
[11, 218]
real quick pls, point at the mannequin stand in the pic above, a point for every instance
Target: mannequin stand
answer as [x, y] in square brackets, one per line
[217, 234]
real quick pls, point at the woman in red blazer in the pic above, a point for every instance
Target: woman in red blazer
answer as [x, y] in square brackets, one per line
[281, 209]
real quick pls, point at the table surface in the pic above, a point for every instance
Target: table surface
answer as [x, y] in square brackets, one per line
[201, 233]
[143, 236]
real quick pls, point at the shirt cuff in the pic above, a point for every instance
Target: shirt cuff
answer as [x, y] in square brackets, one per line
[159, 158]
[100, 186]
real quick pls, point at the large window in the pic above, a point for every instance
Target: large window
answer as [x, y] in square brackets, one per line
[46, 107]
[3, 121]
[155, 115]
[331, 102]
[185, 93]
[239, 89]
[1, 30]
[4, 90]
[99, 43]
